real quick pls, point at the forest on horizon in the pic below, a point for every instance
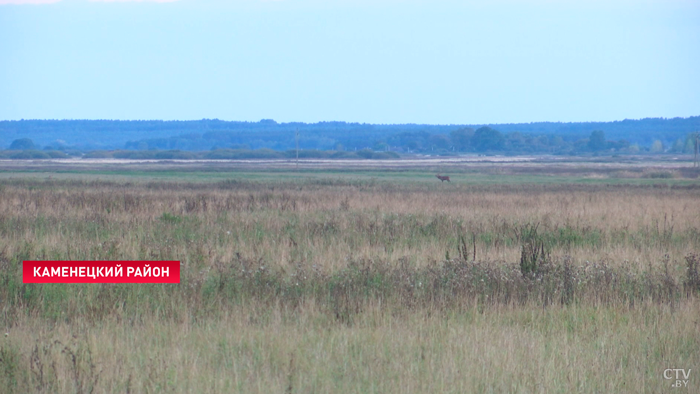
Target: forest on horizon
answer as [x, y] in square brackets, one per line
[656, 135]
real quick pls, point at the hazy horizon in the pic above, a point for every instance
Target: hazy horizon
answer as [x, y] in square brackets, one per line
[340, 121]
[380, 62]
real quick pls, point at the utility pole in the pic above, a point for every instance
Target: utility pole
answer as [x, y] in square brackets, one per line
[697, 143]
[297, 143]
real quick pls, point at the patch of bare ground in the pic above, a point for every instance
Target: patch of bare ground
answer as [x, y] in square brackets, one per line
[619, 167]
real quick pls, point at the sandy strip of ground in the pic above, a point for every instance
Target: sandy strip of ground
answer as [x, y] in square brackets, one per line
[426, 162]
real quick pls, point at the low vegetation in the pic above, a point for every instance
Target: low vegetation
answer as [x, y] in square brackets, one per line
[352, 285]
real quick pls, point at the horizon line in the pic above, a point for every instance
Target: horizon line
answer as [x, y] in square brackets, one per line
[342, 121]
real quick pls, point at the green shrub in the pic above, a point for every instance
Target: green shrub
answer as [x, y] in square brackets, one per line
[170, 218]
[29, 154]
[174, 155]
[98, 154]
[56, 154]
[659, 175]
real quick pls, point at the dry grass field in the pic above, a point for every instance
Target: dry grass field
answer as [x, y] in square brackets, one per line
[526, 282]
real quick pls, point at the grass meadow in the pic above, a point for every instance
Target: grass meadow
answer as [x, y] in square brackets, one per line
[348, 282]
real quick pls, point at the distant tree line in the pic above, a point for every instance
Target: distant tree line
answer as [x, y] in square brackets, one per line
[214, 154]
[80, 136]
[489, 140]
[483, 140]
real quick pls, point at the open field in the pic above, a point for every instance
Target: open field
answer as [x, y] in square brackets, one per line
[465, 163]
[524, 276]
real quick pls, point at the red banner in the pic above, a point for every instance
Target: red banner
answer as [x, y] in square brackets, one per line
[101, 271]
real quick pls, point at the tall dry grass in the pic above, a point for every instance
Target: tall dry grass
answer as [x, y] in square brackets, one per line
[257, 349]
[322, 224]
[336, 285]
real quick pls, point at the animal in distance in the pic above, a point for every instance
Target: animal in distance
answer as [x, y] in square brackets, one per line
[442, 178]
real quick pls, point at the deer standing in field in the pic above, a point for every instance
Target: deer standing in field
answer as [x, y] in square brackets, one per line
[443, 178]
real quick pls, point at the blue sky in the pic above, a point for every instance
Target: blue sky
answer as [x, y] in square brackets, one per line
[381, 61]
